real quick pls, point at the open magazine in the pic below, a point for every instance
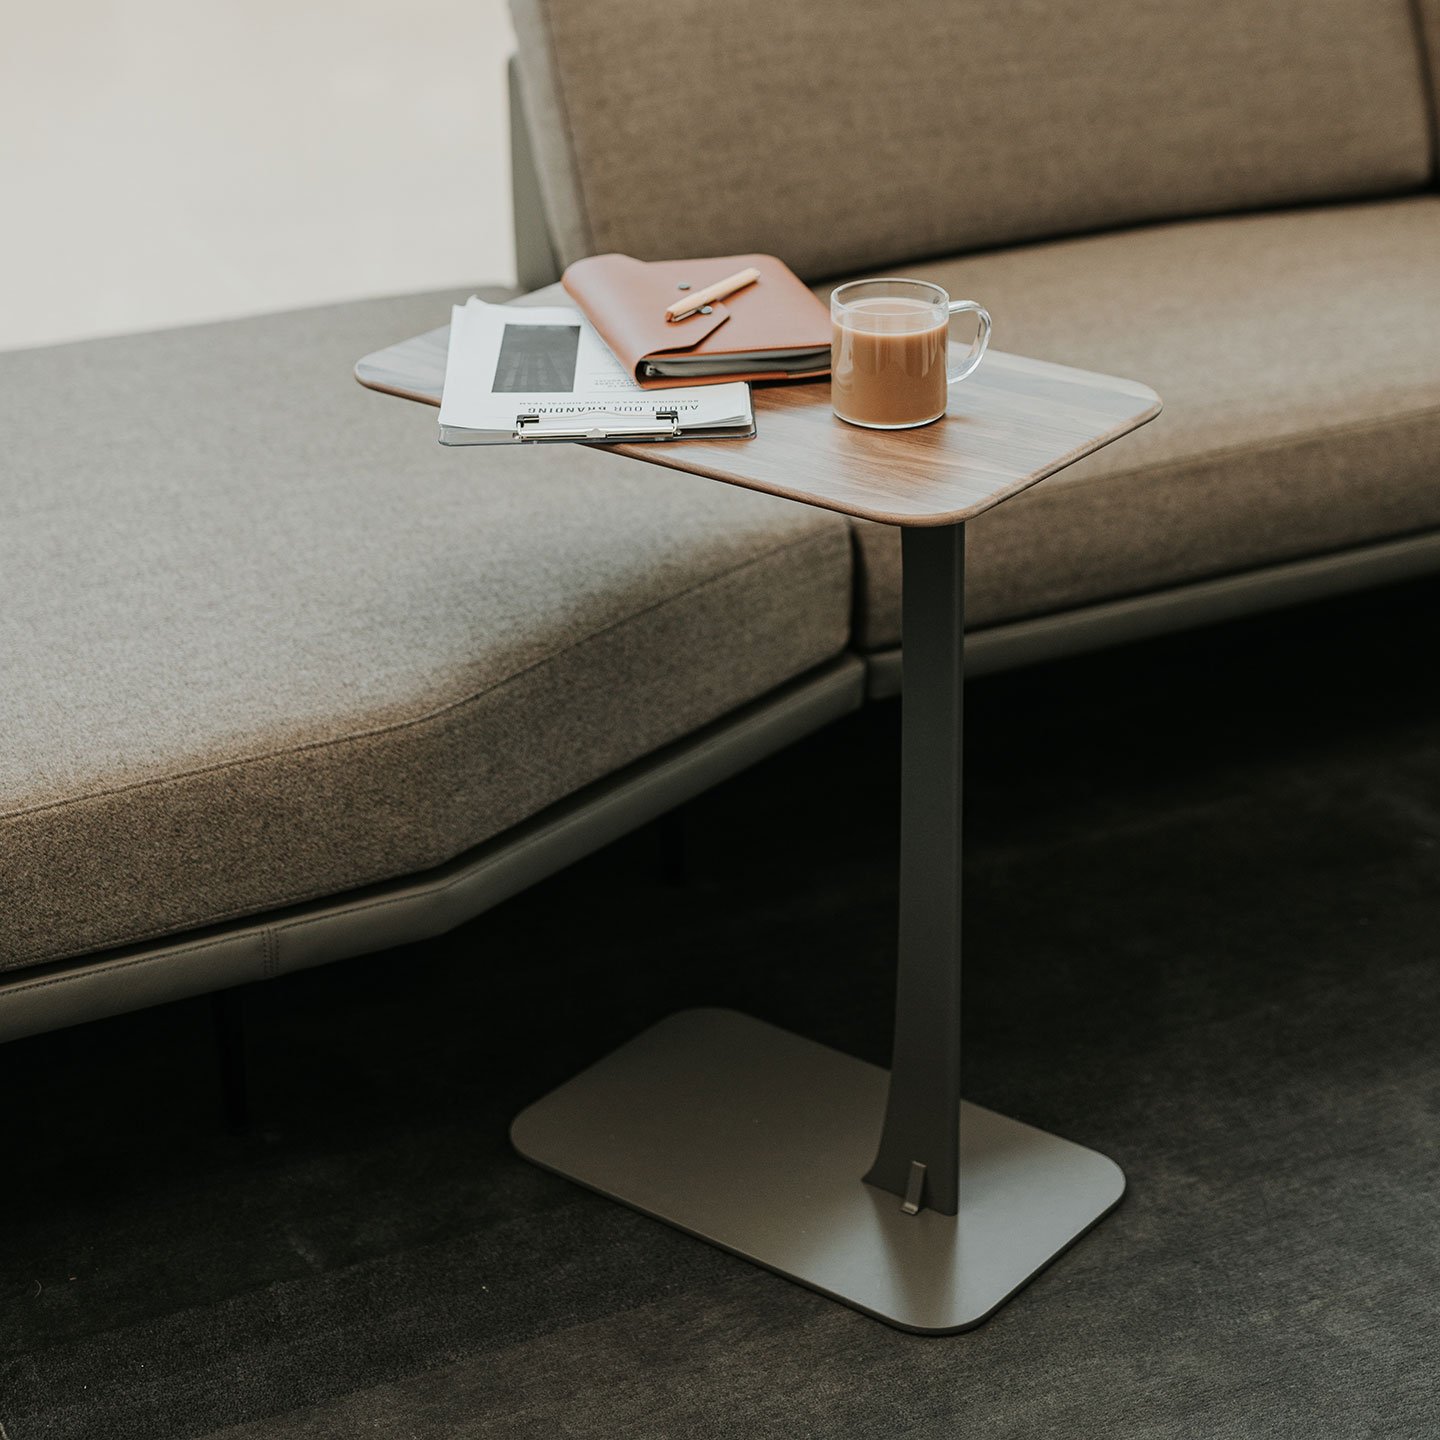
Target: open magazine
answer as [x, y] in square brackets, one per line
[521, 373]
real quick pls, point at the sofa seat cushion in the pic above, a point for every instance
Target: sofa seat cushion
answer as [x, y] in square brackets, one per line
[263, 639]
[1298, 355]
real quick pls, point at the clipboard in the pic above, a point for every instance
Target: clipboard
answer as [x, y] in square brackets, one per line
[414, 369]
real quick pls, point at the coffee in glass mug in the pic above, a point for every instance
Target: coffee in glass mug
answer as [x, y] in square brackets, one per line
[889, 351]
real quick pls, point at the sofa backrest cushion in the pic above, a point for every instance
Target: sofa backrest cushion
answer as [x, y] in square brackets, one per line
[849, 134]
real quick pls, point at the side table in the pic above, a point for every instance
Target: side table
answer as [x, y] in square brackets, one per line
[882, 1190]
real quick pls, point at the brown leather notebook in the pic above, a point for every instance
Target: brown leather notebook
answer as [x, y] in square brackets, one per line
[774, 329]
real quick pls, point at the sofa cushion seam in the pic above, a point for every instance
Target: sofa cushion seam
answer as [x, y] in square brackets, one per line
[308, 894]
[271, 955]
[1288, 442]
[411, 722]
[8, 988]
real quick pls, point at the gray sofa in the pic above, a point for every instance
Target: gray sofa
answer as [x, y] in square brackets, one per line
[282, 681]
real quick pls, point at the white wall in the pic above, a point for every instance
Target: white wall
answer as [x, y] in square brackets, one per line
[166, 161]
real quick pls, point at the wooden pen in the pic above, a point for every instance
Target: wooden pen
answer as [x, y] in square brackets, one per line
[687, 306]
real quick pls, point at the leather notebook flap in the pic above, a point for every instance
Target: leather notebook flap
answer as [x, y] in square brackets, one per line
[677, 337]
[626, 299]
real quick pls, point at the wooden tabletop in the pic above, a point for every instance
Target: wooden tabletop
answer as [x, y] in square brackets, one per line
[1011, 423]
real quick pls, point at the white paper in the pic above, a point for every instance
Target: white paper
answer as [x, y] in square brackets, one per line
[510, 360]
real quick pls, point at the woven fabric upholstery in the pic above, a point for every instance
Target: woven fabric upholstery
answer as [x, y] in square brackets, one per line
[263, 639]
[845, 134]
[1299, 359]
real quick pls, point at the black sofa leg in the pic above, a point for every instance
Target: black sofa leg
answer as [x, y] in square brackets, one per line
[228, 1012]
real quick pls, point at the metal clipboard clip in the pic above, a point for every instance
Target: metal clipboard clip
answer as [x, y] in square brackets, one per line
[665, 426]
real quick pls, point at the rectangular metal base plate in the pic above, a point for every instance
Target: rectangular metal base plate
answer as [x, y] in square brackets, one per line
[756, 1140]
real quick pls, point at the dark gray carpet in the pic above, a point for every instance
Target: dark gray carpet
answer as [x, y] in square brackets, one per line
[1204, 937]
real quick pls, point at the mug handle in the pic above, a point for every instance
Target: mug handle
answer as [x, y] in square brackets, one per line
[982, 338]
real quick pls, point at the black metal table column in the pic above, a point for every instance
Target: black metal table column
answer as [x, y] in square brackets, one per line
[919, 1155]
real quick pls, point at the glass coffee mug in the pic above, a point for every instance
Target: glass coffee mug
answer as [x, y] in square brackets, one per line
[889, 350]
